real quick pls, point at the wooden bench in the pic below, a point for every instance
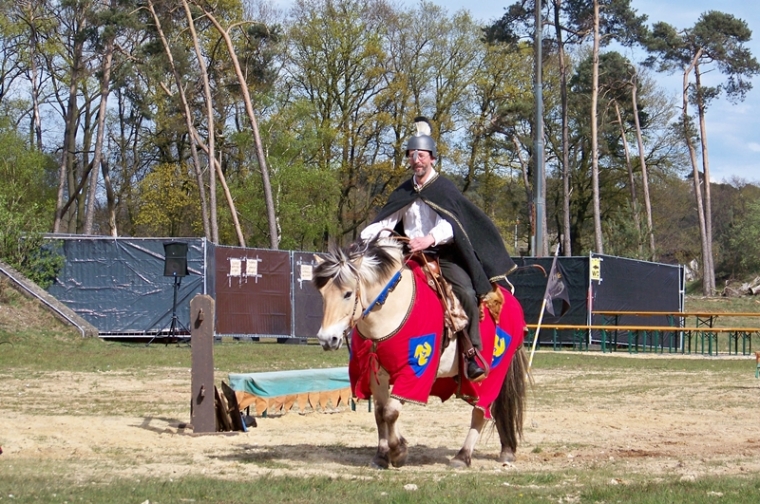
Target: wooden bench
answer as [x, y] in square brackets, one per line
[703, 318]
[734, 335]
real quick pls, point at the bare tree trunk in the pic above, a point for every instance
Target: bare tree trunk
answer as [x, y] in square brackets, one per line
[110, 199]
[188, 122]
[594, 134]
[644, 174]
[706, 290]
[31, 22]
[36, 121]
[210, 119]
[105, 83]
[83, 160]
[69, 137]
[631, 178]
[226, 189]
[566, 241]
[274, 238]
[526, 184]
[709, 274]
[36, 116]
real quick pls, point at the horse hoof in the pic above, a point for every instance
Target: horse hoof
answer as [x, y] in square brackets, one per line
[458, 464]
[507, 457]
[379, 462]
[461, 460]
[400, 462]
[399, 458]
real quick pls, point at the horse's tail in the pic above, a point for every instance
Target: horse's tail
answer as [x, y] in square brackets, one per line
[508, 408]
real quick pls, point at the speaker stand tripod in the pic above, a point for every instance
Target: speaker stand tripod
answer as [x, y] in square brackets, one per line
[175, 326]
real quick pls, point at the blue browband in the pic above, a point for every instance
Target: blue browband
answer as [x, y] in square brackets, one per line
[380, 299]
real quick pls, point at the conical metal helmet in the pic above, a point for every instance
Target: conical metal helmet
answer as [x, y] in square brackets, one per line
[422, 140]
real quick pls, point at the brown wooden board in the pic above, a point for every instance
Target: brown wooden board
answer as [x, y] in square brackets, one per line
[224, 423]
[233, 411]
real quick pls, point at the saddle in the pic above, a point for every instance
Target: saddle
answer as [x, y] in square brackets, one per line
[455, 316]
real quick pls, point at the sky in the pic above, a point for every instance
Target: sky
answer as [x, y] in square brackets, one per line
[733, 130]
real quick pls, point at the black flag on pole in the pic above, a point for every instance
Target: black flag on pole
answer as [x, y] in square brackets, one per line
[556, 288]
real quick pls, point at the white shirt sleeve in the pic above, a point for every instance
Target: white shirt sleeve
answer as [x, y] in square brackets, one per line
[442, 232]
[384, 225]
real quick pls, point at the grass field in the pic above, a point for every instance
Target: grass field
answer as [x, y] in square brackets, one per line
[95, 421]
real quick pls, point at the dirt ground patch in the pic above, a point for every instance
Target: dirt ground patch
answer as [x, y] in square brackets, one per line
[105, 424]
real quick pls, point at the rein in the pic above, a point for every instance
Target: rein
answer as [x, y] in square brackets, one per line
[379, 300]
[383, 296]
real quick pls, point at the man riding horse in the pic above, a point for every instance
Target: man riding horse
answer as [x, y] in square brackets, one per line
[436, 217]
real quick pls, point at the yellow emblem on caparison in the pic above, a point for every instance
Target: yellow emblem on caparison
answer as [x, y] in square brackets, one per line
[422, 353]
[499, 346]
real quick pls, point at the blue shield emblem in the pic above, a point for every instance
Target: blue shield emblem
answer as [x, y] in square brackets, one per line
[501, 342]
[421, 350]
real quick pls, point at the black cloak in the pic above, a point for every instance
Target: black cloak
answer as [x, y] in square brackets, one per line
[477, 245]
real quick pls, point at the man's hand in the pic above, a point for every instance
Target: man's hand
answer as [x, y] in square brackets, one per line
[417, 244]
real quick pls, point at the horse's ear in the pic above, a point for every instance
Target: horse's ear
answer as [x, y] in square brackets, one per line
[318, 259]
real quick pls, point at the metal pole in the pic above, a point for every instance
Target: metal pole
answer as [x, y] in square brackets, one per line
[538, 154]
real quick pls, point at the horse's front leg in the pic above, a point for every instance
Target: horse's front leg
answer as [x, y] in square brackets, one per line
[464, 457]
[391, 446]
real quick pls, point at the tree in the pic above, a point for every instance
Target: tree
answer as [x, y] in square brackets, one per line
[274, 237]
[215, 168]
[619, 85]
[167, 205]
[737, 227]
[605, 20]
[111, 18]
[27, 198]
[643, 164]
[336, 69]
[188, 121]
[74, 21]
[715, 41]
[498, 139]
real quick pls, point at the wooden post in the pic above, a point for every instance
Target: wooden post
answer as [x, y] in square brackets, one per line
[203, 413]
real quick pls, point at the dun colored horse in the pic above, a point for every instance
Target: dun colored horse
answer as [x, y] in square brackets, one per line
[382, 303]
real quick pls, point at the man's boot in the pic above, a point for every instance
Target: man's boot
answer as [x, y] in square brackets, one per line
[475, 373]
[472, 369]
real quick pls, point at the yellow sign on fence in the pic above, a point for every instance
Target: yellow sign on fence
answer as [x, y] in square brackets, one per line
[596, 269]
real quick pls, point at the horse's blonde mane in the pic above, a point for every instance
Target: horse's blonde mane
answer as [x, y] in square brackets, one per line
[372, 262]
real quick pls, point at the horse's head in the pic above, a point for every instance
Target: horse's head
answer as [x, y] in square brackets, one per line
[344, 277]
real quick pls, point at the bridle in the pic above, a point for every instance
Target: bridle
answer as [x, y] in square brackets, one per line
[378, 302]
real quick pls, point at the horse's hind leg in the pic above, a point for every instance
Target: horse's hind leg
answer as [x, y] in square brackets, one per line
[464, 457]
[391, 446]
[507, 454]
[508, 446]
[508, 408]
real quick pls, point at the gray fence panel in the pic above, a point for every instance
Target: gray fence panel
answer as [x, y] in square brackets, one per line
[118, 284]
[307, 301]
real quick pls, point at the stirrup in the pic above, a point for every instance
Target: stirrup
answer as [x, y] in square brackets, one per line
[471, 357]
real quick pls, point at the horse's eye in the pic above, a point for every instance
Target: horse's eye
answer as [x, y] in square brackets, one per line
[348, 295]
